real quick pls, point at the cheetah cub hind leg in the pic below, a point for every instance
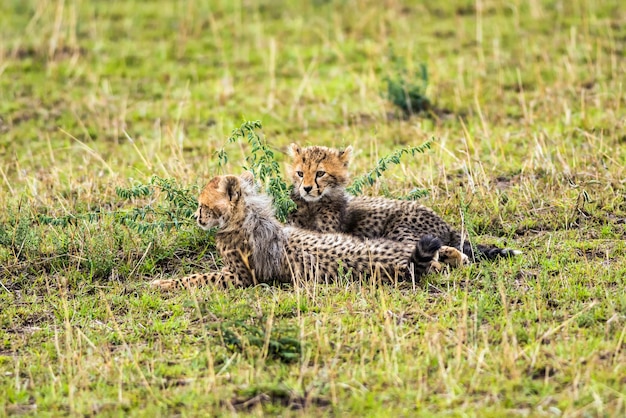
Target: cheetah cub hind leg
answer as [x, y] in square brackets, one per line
[452, 257]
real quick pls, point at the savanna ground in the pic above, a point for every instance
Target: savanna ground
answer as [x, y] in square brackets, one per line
[528, 120]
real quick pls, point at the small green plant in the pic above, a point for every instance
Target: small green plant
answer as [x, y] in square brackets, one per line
[263, 165]
[384, 164]
[407, 91]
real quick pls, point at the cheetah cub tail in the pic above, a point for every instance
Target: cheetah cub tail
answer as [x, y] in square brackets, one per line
[489, 252]
[424, 256]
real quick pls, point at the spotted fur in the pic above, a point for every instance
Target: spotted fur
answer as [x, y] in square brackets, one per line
[256, 248]
[327, 207]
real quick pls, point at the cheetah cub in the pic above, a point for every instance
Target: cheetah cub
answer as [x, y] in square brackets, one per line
[256, 248]
[319, 176]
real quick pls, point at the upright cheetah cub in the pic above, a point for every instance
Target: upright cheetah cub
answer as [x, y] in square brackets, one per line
[256, 248]
[319, 176]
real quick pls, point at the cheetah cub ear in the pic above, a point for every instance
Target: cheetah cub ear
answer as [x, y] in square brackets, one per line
[294, 150]
[345, 155]
[247, 177]
[248, 183]
[231, 187]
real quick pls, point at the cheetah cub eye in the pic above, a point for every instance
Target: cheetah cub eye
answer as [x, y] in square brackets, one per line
[320, 174]
[300, 174]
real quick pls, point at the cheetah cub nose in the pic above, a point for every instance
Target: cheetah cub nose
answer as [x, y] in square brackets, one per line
[308, 188]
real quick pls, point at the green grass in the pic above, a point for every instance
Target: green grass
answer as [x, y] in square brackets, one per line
[528, 105]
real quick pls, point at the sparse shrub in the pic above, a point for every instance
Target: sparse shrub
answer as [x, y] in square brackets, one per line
[176, 210]
[97, 242]
[263, 165]
[384, 164]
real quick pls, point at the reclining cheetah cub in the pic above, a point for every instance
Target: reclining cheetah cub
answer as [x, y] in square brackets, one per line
[256, 248]
[319, 176]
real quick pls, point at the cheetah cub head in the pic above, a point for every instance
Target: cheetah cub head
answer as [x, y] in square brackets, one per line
[318, 171]
[222, 199]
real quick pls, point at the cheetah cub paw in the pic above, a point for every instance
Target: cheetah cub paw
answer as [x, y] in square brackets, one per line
[452, 257]
[435, 267]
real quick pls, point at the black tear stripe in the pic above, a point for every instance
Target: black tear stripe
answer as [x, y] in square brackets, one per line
[316, 183]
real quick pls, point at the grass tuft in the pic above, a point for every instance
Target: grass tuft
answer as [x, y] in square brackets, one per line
[405, 90]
